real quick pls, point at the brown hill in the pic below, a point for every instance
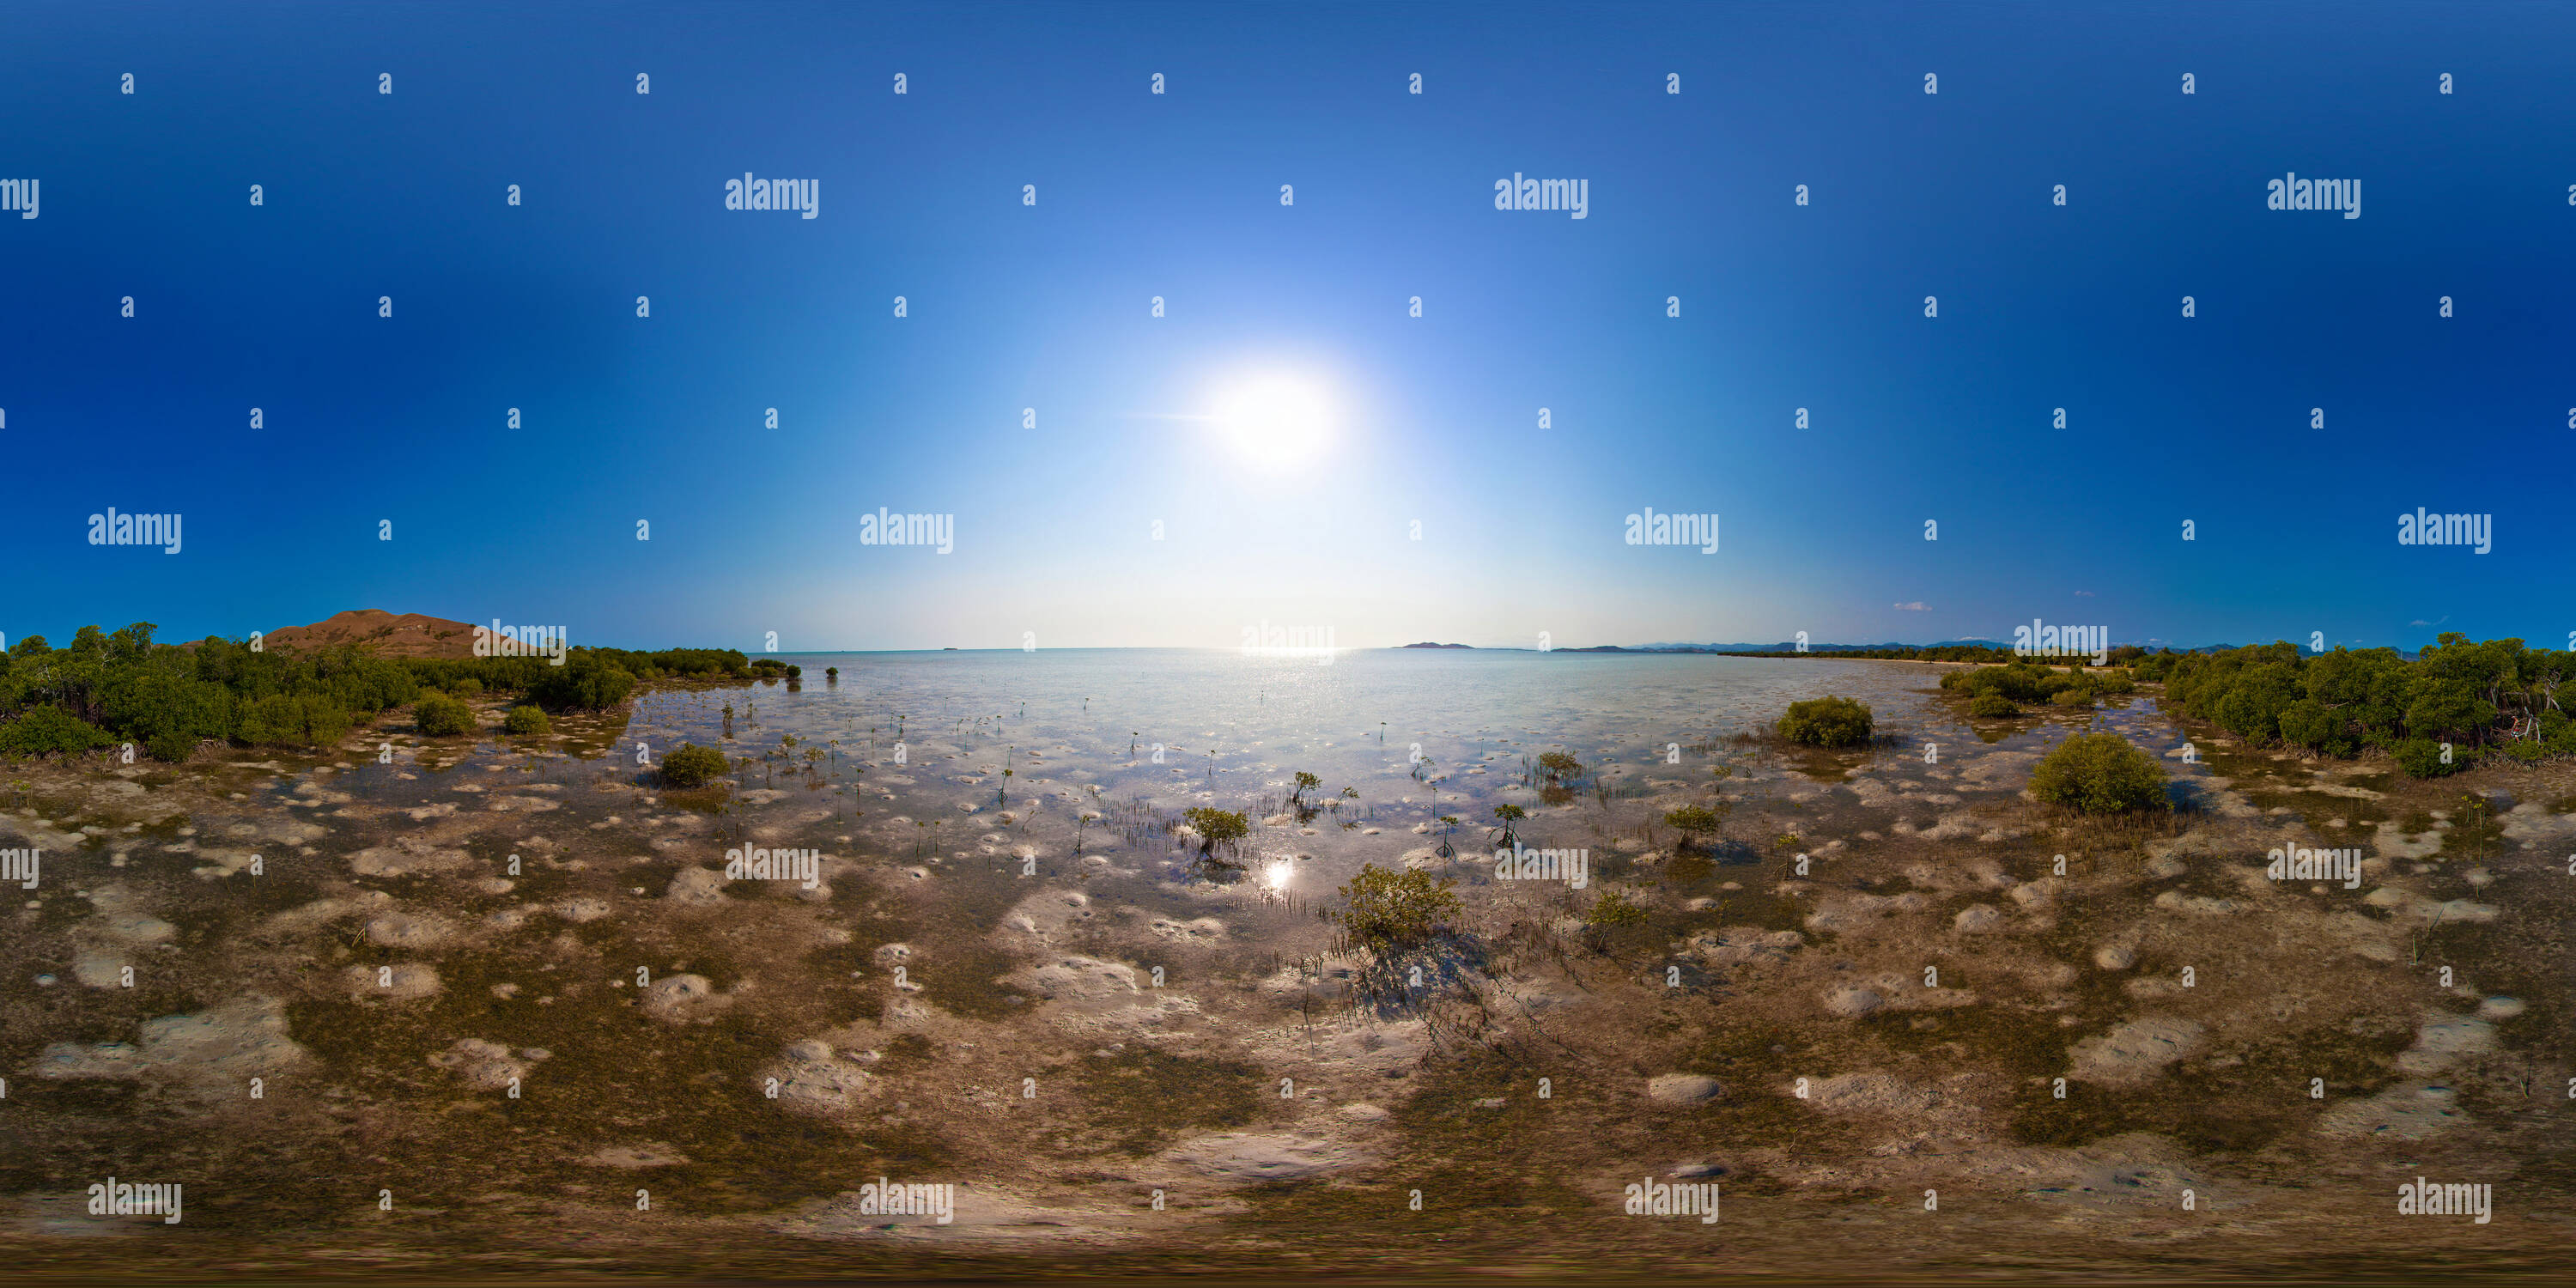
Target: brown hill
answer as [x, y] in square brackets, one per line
[409, 635]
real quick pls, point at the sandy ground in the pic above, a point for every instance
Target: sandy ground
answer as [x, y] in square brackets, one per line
[498, 1008]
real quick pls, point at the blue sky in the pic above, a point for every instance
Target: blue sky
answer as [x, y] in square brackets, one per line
[1177, 195]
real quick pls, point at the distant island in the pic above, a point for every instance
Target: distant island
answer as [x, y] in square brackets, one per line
[1440, 646]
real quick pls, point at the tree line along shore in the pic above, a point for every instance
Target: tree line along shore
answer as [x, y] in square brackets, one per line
[2455, 704]
[111, 687]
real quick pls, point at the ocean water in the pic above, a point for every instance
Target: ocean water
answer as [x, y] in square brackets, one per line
[913, 746]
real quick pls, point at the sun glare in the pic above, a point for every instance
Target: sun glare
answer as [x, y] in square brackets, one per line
[1279, 421]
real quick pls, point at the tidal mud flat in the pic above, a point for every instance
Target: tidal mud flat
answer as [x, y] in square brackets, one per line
[507, 1012]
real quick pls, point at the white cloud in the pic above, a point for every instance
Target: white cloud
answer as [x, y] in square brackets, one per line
[1918, 606]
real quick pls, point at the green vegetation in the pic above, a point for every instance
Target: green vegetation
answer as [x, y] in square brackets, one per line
[1827, 722]
[1389, 910]
[2497, 698]
[1560, 766]
[691, 766]
[1904, 653]
[583, 685]
[438, 715]
[1611, 913]
[110, 687]
[1697, 822]
[564, 687]
[1215, 826]
[2027, 683]
[281, 720]
[527, 720]
[1612, 909]
[49, 729]
[2099, 773]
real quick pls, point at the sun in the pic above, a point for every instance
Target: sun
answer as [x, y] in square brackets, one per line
[1278, 420]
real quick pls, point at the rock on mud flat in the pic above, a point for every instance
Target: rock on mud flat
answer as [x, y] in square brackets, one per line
[2443, 1040]
[1244, 1158]
[1683, 1088]
[2197, 904]
[696, 888]
[401, 982]
[2135, 1052]
[1084, 979]
[484, 1066]
[1871, 1093]
[405, 857]
[99, 968]
[2407, 1111]
[1977, 919]
[815, 1079]
[1853, 1003]
[218, 1049]
[402, 930]
[2115, 957]
[684, 999]
[1732, 945]
[649, 1154]
[1200, 930]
